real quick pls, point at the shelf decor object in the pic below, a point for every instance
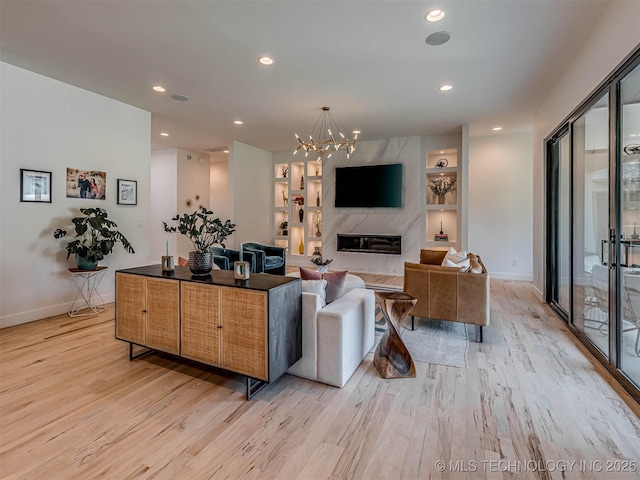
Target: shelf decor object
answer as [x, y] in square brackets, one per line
[441, 186]
[323, 140]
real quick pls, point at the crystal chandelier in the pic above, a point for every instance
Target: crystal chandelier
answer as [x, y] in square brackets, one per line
[326, 125]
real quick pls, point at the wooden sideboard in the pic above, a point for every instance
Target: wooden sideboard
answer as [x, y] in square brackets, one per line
[252, 327]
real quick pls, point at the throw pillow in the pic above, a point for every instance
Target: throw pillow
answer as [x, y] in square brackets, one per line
[455, 257]
[475, 265]
[317, 287]
[463, 265]
[335, 281]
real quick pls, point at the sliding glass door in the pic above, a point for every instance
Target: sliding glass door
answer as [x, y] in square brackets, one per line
[591, 246]
[593, 223]
[629, 114]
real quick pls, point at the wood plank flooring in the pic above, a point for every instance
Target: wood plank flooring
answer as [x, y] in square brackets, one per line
[72, 406]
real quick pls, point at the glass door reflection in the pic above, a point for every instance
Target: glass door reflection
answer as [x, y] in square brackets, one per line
[591, 248]
[629, 327]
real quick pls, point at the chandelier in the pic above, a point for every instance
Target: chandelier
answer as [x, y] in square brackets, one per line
[318, 145]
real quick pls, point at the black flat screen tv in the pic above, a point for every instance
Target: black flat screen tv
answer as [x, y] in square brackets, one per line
[369, 186]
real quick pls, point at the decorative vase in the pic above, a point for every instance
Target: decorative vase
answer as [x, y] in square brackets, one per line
[84, 264]
[301, 246]
[285, 232]
[301, 214]
[200, 263]
[318, 232]
[322, 268]
[318, 200]
[440, 199]
[301, 182]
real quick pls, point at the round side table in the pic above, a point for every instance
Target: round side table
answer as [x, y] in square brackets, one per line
[392, 359]
[87, 282]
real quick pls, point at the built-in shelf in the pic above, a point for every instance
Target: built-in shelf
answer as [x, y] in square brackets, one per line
[445, 216]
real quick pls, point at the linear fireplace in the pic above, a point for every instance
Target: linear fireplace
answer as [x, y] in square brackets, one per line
[390, 244]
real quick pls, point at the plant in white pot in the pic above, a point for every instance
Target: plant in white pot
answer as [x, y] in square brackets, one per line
[95, 236]
[204, 231]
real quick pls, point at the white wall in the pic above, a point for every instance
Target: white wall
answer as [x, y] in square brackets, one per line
[50, 125]
[192, 190]
[219, 185]
[164, 201]
[251, 194]
[501, 204]
[613, 38]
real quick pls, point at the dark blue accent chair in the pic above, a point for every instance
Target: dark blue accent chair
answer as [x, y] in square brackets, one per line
[268, 259]
[224, 258]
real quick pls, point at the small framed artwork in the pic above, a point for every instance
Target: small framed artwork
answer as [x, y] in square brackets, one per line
[35, 186]
[127, 192]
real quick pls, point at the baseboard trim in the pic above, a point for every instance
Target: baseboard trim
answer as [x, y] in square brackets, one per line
[43, 312]
[511, 276]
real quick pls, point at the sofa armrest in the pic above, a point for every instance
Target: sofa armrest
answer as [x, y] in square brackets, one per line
[274, 251]
[474, 294]
[307, 366]
[345, 335]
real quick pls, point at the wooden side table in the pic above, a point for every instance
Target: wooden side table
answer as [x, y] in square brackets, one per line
[392, 359]
[87, 282]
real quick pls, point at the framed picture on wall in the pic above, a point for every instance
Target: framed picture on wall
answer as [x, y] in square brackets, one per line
[127, 192]
[86, 184]
[35, 186]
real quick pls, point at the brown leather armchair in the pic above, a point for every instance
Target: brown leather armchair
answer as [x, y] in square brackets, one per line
[446, 293]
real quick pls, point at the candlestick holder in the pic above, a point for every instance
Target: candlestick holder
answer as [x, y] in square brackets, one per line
[168, 264]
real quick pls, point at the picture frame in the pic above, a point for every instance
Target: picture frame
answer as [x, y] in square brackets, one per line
[35, 186]
[127, 192]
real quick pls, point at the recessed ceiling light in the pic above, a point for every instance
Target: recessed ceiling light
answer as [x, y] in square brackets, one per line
[445, 88]
[238, 122]
[497, 129]
[438, 38]
[158, 88]
[225, 151]
[180, 98]
[266, 60]
[434, 15]
[164, 134]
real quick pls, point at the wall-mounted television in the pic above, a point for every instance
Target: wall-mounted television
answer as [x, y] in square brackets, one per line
[369, 186]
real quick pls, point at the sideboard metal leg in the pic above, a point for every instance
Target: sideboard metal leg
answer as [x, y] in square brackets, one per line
[413, 327]
[480, 333]
[133, 357]
[254, 388]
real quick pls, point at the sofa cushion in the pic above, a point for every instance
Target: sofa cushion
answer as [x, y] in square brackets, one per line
[335, 281]
[432, 257]
[455, 257]
[317, 287]
[273, 262]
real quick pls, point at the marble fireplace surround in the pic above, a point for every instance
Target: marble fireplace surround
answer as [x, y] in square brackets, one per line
[390, 244]
[404, 222]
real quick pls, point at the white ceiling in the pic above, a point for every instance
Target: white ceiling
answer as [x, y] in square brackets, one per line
[367, 60]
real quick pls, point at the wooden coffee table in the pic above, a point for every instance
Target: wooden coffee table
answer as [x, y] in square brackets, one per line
[392, 359]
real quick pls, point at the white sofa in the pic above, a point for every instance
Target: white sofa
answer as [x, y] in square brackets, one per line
[336, 337]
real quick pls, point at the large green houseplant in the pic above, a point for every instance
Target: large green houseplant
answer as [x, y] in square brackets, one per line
[204, 231]
[95, 236]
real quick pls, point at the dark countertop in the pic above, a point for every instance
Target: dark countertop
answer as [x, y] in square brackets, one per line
[257, 281]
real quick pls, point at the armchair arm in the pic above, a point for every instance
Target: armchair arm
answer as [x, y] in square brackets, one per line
[260, 258]
[222, 262]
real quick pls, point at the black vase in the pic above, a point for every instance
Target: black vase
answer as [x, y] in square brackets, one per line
[301, 214]
[200, 263]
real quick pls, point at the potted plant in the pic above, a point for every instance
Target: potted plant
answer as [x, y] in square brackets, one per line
[204, 231]
[284, 226]
[322, 266]
[94, 239]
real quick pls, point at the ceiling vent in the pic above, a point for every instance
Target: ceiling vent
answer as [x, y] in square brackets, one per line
[438, 38]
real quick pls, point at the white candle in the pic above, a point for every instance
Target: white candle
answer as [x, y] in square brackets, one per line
[167, 248]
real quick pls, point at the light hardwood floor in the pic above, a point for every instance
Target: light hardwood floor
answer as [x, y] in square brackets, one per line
[72, 406]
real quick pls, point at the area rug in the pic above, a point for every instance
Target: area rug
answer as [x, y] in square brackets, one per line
[433, 341]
